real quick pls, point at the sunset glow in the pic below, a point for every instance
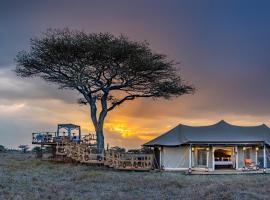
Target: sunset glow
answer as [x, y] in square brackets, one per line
[222, 49]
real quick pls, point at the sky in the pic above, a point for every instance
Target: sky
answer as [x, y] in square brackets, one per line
[223, 47]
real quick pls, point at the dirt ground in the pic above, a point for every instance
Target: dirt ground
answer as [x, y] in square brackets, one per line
[22, 176]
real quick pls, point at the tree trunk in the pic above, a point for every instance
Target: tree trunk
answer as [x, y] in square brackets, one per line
[100, 138]
[98, 123]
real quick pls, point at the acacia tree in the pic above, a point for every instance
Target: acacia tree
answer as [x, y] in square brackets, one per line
[106, 70]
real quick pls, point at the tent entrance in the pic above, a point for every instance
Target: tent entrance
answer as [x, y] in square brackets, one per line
[200, 157]
[224, 158]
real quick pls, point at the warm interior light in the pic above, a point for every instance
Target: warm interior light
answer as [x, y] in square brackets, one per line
[257, 148]
[207, 149]
[193, 149]
[244, 148]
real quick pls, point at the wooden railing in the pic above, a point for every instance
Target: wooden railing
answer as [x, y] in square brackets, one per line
[43, 137]
[80, 152]
[129, 161]
[51, 138]
[83, 153]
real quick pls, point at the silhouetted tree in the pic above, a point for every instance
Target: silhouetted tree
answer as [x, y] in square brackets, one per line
[103, 68]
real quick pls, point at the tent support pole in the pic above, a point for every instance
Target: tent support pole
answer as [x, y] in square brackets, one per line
[256, 157]
[160, 165]
[213, 157]
[236, 157]
[207, 160]
[190, 156]
[264, 157]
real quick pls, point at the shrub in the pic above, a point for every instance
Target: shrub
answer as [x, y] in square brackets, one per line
[24, 148]
[2, 148]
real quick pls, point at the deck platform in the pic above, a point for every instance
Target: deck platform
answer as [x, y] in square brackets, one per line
[228, 172]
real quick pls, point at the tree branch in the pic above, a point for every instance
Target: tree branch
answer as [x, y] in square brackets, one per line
[127, 98]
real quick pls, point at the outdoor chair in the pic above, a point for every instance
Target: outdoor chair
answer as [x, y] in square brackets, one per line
[249, 165]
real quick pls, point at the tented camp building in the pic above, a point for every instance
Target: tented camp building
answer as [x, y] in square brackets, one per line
[217, 146]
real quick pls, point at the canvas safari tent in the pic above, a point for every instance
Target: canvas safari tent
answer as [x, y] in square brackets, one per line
[217, 146]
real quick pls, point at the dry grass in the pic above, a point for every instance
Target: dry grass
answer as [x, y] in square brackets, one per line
[24, 177]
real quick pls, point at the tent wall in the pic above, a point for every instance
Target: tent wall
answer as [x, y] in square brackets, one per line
[175, 158]
[261, 157]
[268, 157]
[157, 157]
[241, 163]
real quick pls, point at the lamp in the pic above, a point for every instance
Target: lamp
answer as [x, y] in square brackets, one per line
[244, 148]
[257, 148]
[192, 149]
[207, 149]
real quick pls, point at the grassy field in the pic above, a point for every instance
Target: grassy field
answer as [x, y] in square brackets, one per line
[24, 177]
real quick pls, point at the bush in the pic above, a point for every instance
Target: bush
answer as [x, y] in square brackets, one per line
[38, 151]
[2, 148]
[24, 148]
[48, 149]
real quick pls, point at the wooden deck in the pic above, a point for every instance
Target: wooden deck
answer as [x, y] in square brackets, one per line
[228, 172]
[85, 151]
[44, 143]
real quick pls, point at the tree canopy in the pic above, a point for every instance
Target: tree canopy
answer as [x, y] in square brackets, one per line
[102, 67]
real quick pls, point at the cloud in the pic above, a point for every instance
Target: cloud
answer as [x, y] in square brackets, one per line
[224, 52]
[29, 105]
[16, 89]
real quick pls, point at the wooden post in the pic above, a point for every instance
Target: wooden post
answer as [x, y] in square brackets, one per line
[132, 162]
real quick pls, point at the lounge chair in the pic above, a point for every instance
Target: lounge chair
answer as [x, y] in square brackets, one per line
[250, 166]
